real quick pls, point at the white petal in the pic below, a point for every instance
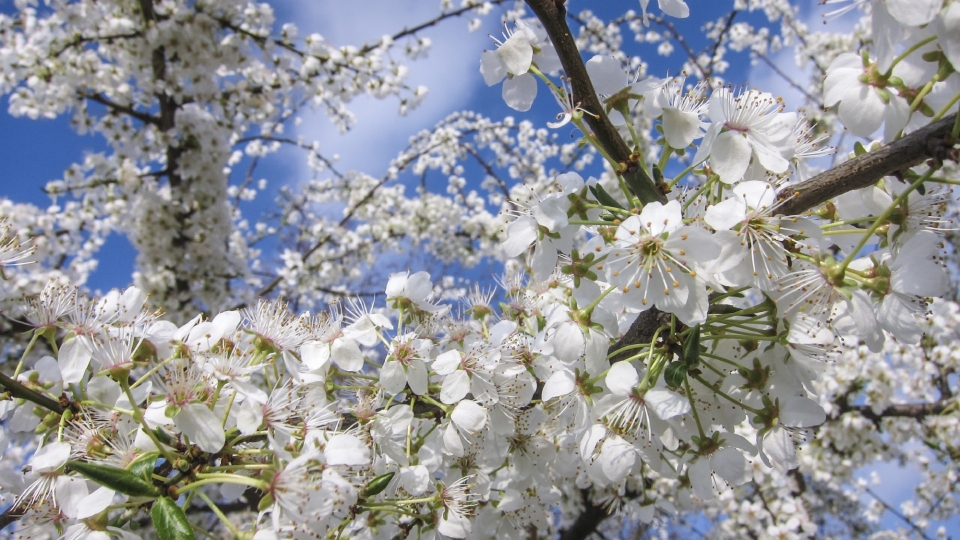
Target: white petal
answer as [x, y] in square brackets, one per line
[519, 92]
[50, 458]
[730, 465]
[659, 218]
[345, 449]
[606, 74]
[201, 426]
[777, 450]
[701, 478]
[455, 386]
[559, 384]
[666, 404]
[447, 362]
[801, 412]
[94, 503]
[492, 68]
[679, 127]
[674, 8]
[510, 501]
[417, 377]
[568, 342]
[520, 234]
[73, 359]
[249, 417]
[516, 53]
[725, 214]
[315, 354]
[552, 213]
[730, 156]
[621, 378]
[895, 317]
[414, 480]
[470, 416]
[914, 12]
[392, 377]
[70, 492]
[346, 354]
[617, 458]
[454, 525]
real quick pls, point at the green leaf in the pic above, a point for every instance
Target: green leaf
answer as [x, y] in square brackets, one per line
[170, 521]
[674, 374]
[124, 481]
[143, 466]
[377, 485]
[603, 197]
[691, 348]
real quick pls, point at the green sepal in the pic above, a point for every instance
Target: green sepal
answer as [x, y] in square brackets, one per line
[674, 374]
[858, 149]
[657, 175]
[691, 348]
[143, 466]
[121, 480]
[603, 197]
[169, 520]
[377, 485]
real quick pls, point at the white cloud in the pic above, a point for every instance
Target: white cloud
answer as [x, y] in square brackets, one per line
[451, 72]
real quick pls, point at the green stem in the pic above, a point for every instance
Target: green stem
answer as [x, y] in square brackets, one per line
[138, 418]
[152, 370]
[219, 513]
[388, 502]
[880, 219]
[907, 53]
[664, 157]
[707, 185]
[722, 394]
[953, 101]
[693, 407]
[680, 176]
[923, 92]
[26, 351]
[207, 479]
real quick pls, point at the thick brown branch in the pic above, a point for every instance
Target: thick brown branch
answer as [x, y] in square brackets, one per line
[917, 411]
[928, 142]
[553, 14]
[588, 520]
[18, 390]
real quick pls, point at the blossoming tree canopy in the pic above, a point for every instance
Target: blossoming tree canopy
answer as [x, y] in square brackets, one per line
[702, 309]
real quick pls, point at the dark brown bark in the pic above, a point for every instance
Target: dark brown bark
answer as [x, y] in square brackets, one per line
[930, 142]
[588, 520]
[552, 14]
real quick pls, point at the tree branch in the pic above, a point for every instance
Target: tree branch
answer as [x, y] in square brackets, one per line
[552, 14]
[917, 411]
[588, 520]
[18, 390]
[932, 141]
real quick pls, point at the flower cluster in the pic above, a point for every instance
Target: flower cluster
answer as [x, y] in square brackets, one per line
[667, 336]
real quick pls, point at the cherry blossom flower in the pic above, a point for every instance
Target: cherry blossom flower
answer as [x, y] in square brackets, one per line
[865, 102]
[512, 60]
[746, 125]
[653, 261]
